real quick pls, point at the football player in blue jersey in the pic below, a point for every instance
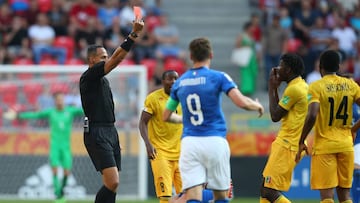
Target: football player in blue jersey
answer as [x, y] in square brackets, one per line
[198, 91]
[355, 189]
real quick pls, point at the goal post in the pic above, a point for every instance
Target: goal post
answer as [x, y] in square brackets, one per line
[24, 143]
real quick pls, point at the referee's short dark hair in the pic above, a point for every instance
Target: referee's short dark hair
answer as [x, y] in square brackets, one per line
[92, 50]
[330, 61]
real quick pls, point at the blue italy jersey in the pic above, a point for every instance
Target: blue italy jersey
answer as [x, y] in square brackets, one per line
[356, 116]
[199, 92]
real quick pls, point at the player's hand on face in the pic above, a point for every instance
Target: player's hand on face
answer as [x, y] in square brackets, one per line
[274, 78]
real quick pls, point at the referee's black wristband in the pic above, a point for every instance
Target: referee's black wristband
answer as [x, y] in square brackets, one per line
[127, 44]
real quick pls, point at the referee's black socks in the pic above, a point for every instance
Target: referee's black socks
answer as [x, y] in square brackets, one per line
[105, 195]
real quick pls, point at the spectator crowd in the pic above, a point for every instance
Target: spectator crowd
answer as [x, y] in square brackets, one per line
[306, 27]
[59, 31]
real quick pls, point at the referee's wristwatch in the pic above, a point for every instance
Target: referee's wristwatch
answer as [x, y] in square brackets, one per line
[134, 35]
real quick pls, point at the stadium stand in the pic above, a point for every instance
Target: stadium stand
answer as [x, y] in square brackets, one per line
[150, 65]
[66, 42]
[9, 94]
[23, 61]
[74, 61]
[31, 92]
[171, 63]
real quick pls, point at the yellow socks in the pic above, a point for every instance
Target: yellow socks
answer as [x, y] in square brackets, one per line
[347, 201]
[164, 199]
[264, 200]
[282, 199]
[327, 201]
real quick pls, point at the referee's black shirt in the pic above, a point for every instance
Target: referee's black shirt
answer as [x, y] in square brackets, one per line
[96, 96]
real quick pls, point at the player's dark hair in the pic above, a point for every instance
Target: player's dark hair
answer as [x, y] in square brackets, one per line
[294, 62]
[165, 73]
[330, 61]
[200, 49]
[92, 50]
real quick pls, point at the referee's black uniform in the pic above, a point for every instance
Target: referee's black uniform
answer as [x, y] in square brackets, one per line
[101, 138]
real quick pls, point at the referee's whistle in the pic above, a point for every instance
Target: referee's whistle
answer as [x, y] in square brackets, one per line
[86, 124]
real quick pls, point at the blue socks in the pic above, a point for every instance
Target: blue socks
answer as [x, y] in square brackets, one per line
[207, 195]
[193, 201]
[222, 201]
[355, 189]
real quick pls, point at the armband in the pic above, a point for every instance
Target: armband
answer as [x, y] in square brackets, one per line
[127, 44]
[171, 104]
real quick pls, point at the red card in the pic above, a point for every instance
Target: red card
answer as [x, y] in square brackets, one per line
[137, 12]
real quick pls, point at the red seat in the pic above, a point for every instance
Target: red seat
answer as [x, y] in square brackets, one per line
[59, 87]
[152, 21]
[23, 61]
[44, 5]
[292, 45]
[49, 75]
[1, 113]
[9, 93]
[74, 61]
[175, 64]
[150, 65]
[48, 61]
[66, 42]
[127, 61]
[25, 76]
[32, 91]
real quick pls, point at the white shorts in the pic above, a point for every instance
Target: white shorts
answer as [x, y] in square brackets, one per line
[205, 160]
[357, 154]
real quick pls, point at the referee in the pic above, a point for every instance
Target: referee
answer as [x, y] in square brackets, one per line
[100, 136]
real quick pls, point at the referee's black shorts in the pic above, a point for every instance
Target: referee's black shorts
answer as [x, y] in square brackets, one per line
[102, 144]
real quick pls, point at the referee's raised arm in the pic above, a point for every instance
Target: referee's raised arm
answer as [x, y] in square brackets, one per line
[120, 53]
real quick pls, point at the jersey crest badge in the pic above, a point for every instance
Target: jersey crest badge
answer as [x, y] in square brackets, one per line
[268, 179]
[309, 96]
[285, 100]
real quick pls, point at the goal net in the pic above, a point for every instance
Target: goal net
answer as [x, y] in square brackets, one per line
[25, 171]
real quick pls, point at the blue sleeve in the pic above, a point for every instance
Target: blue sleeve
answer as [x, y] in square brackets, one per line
[356, 116]
[174, 89]
[227, 83]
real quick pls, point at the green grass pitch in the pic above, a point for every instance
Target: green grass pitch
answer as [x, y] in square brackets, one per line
[236, 200]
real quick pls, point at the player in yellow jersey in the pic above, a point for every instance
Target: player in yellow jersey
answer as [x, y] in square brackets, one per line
[330, 111]
[162, 139]
[291, 110]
